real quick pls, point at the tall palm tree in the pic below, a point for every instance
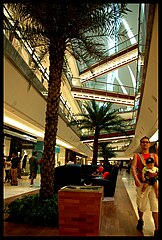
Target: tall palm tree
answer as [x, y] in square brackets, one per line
[51, 29]
[98, 118]
[106, 151]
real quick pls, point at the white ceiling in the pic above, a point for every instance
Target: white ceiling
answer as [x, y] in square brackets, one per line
[147, 123]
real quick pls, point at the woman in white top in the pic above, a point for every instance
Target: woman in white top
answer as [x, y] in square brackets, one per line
[7, 165]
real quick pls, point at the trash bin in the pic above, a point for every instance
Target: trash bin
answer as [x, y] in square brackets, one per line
[80, 210]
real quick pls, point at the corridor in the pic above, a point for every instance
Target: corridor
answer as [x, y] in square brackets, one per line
[123, 205]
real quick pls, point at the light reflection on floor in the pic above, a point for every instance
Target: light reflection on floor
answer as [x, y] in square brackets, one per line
[128, 181]
[23, 187]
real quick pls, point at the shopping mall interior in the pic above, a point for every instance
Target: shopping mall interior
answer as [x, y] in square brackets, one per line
[127, 77]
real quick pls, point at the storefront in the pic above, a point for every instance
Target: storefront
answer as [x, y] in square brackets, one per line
[20, 141]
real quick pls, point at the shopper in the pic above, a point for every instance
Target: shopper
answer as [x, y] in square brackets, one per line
[150, 180]
[14, 167]
[33, 167]
[139, 161]
[129, 166]
[19, 170]
[7, 165]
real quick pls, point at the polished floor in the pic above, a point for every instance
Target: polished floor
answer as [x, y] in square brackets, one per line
[23, 187]
[120, 222]
[130, 187]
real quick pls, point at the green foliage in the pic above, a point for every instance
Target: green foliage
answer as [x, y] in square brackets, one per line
[29, 209]
[106, 151]
[100, 117]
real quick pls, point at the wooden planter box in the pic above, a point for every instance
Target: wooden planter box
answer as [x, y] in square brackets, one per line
[80, 210]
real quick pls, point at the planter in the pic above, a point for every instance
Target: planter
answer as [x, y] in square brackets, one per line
[80, 210]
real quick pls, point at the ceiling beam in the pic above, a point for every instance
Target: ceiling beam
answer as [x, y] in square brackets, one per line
[100, 95]
[108, 137]
[110, 63]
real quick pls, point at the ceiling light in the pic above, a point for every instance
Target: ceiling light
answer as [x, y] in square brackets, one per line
[108, 139]
[32, 131]
[19, 125]
[63, 144]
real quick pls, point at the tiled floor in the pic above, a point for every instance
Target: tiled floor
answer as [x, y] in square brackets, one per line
[24, 186]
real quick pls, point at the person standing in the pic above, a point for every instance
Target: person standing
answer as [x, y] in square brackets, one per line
[129, 166]
[33, 167]
[139, 161]
[14, 168]
[19, 169]
[7, 165]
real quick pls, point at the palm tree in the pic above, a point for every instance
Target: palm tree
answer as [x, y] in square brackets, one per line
[51, 29]
[98, 118]
[106, 151]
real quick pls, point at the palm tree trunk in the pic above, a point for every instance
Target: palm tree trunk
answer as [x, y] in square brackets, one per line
[56, 58]
[95, 147]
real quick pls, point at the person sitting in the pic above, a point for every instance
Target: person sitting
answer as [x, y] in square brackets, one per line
[98, 171]
[105, 175]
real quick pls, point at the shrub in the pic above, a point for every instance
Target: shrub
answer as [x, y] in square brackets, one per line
[29, 209]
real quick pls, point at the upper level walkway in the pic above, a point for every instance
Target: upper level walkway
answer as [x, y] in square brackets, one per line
[92, 88]
[102, 95]
[104, 137]
[111, 63]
